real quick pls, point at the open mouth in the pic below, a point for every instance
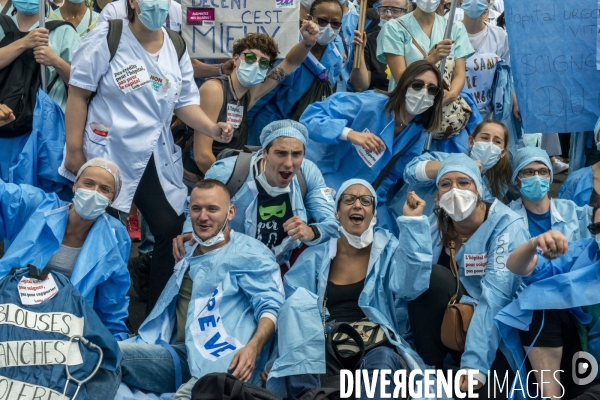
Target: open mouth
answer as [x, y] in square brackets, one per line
[356, 219]
[204, 227]
[285, 176]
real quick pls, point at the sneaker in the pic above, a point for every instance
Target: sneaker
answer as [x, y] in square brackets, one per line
[133, 228]
[559, 166]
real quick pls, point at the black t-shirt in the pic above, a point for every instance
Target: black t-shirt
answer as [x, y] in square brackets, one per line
[379, 78]
[342, 301]
[272, 213]
[594, 198]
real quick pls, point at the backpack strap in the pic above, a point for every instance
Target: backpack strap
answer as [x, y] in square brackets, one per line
[113, 37]
[52, 25]
[6, 7]
[384, 173]
[414, 42]
[178, 42]
[7, 24]
[302, 183]
[240, 173]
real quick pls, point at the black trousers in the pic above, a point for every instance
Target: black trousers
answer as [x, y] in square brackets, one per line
[426, 313]
[165, 225]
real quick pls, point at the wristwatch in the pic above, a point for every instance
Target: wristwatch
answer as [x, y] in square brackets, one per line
[316, 231]
[220, 69]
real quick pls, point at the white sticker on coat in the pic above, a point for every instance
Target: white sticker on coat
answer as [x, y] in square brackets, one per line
[160, 84]
[11, 389]
[501, 251]
[475, 264]
[329, 194]
[58, 322]
[132, 77]
[369, 157]
[27, 353]
[209, 335]
[36, 291]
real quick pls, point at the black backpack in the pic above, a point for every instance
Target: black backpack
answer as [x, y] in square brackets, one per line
[242, 169]
[217, 385]
[20, 80]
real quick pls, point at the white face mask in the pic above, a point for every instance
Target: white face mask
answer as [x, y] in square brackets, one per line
[486, 152]
[458, 203]
[362, 241]
[271, 190]
[327, 35]
[428, 6]
[89, 204]
[417, 102]
[218, 238]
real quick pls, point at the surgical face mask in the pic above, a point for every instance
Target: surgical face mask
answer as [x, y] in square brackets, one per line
[362, 241]
[458, 203]
[428, 6]
[535, 187]
[474, 8]
[153, 13]
[271, 190]
[218, 238]
[27, 7]
[89, 204]
[327, 35]
[250, 75]
[486, 152]
[417, 102]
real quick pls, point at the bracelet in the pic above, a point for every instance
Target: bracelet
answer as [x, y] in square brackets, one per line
[220, 69]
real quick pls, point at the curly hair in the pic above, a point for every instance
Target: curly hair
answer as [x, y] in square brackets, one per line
[259, 41]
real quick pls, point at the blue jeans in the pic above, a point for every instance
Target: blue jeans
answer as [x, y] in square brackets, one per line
[377, 359]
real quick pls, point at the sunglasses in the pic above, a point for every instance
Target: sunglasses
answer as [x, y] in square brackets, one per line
[323, 23]
[594, 228]
[250, 58]
[529, 172]
[461, 183]
[365, 200]
[394, 11]
[418, 85]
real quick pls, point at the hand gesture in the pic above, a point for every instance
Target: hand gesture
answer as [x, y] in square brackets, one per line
[310, 33]
[6, 115]
[552, 243]
[242, 365]
[74, 161]
[37, 37]
[178, 245]
[464, 383]
[222, 132]
[227, 67]
[359, 40]
[441, 50]
[414, 205]
[366, 140]
[298, 230]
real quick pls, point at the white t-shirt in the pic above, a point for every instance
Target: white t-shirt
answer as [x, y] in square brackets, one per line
[118, 10]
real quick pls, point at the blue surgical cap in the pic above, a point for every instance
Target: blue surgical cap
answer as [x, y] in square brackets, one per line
[283, 128]
[458, 162]
[528, 155]
[351, 182]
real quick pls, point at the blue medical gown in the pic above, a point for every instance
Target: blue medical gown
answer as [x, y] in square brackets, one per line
[33, 224]
[578, 186]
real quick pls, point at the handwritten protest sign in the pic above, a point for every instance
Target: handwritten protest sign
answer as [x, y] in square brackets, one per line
[210, 27]
[553, 55]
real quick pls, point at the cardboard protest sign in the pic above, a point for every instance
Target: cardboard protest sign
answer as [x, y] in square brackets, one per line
[210, 27]
[553, 55]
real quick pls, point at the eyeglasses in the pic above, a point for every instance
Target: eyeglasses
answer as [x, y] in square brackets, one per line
[461, 183]
[323, 23]
[250, 58]
[365, 200]
[393, 11]
[594, 228]
[418, 85]
[529, 172]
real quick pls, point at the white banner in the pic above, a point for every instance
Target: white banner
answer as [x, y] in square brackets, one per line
[63, 323]
[210, 27]
[27, 353]
[11, 389]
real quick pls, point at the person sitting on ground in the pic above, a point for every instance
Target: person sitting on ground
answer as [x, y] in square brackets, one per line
[79, 240]
[550, 330]
[281, 192]
[532, 174]
[220, 307]
[358, 276]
